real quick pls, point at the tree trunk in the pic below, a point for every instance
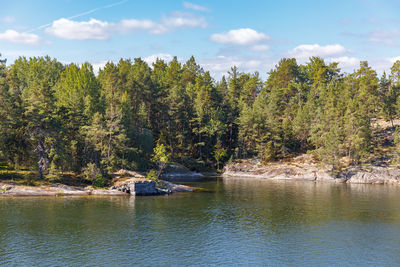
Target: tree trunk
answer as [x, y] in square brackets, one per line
[42, 160]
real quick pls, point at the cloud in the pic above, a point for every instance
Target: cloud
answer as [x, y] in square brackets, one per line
[82, 14]
[12, 36]
[101, 30]
[387, 37]
[244, 36]
[394, 59]
[85, 30]
[220, 65]
[345, 62]
[195, 7]
[384, 37]
[131, 25]
[98, 65]
[260, 48]
[383, 64]
[305, 51]
[179, 20]
[153, 58]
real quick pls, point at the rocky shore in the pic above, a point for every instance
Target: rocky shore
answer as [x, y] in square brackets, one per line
[11, 189]
[175, 172]
[305, 168]
[126, 183]
[134, 183]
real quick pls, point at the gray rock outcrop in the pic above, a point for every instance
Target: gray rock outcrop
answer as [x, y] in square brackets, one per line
[139, 187]
[304, 168]
[175, 172]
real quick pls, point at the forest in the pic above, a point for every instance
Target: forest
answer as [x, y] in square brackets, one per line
[57, 118]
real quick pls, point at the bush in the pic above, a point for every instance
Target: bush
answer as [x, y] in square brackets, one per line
[152, 175]
[100, 181]
[91, 172]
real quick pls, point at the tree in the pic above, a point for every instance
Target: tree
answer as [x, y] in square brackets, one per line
[35, 79]
[219, 154]
[107, 140]
[161, 157]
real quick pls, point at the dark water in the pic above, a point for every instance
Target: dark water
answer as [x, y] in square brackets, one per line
[234, 222]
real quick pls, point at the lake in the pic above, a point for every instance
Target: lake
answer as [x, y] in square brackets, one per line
[229, 222]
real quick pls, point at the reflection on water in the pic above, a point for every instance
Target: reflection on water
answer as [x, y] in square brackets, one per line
[231, 222]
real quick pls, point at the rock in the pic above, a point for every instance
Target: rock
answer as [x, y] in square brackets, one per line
[145, 187]
[136, 186]
[53, 190]
[177, 188]
[175, 172]
[127, 173]
[303, 168]
[374, 175]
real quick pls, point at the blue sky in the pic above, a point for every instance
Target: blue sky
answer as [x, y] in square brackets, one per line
[253, 35]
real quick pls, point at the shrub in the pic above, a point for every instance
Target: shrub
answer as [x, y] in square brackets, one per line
[152, 175]
[91, 172]
[100, 181]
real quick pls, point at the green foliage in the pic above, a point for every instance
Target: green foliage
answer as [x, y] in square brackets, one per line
[160, 153]
[220, 154]
[63, 118]
[91, 172]
[269, 153]
[161, 157]
[100, 181]
[152, 175]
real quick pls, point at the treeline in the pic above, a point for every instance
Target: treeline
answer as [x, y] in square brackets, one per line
[63, 118]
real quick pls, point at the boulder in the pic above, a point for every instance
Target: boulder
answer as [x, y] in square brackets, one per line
[138, 187]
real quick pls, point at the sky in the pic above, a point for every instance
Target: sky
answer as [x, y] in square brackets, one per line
[252, 35]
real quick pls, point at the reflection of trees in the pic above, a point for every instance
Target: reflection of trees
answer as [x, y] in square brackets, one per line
[278, 203]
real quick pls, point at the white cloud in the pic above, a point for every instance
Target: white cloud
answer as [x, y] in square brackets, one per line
[345, 62]
[244, 36]
[260, 48]
[153, 58]
[98, 65]
[85, 30]
[179, 20]
[101, 30]
[222, 64]
[129, 25]
[394, 59]
[305, 51]
[20, 38]
[195, 7]
[383, 64]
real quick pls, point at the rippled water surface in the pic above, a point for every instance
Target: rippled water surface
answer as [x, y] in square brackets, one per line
[232, 222]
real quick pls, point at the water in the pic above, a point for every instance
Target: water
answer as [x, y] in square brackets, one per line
[232, 222]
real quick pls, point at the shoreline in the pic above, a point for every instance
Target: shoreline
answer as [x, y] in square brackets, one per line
[131, 187]
[303, 168]
[125, 183]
